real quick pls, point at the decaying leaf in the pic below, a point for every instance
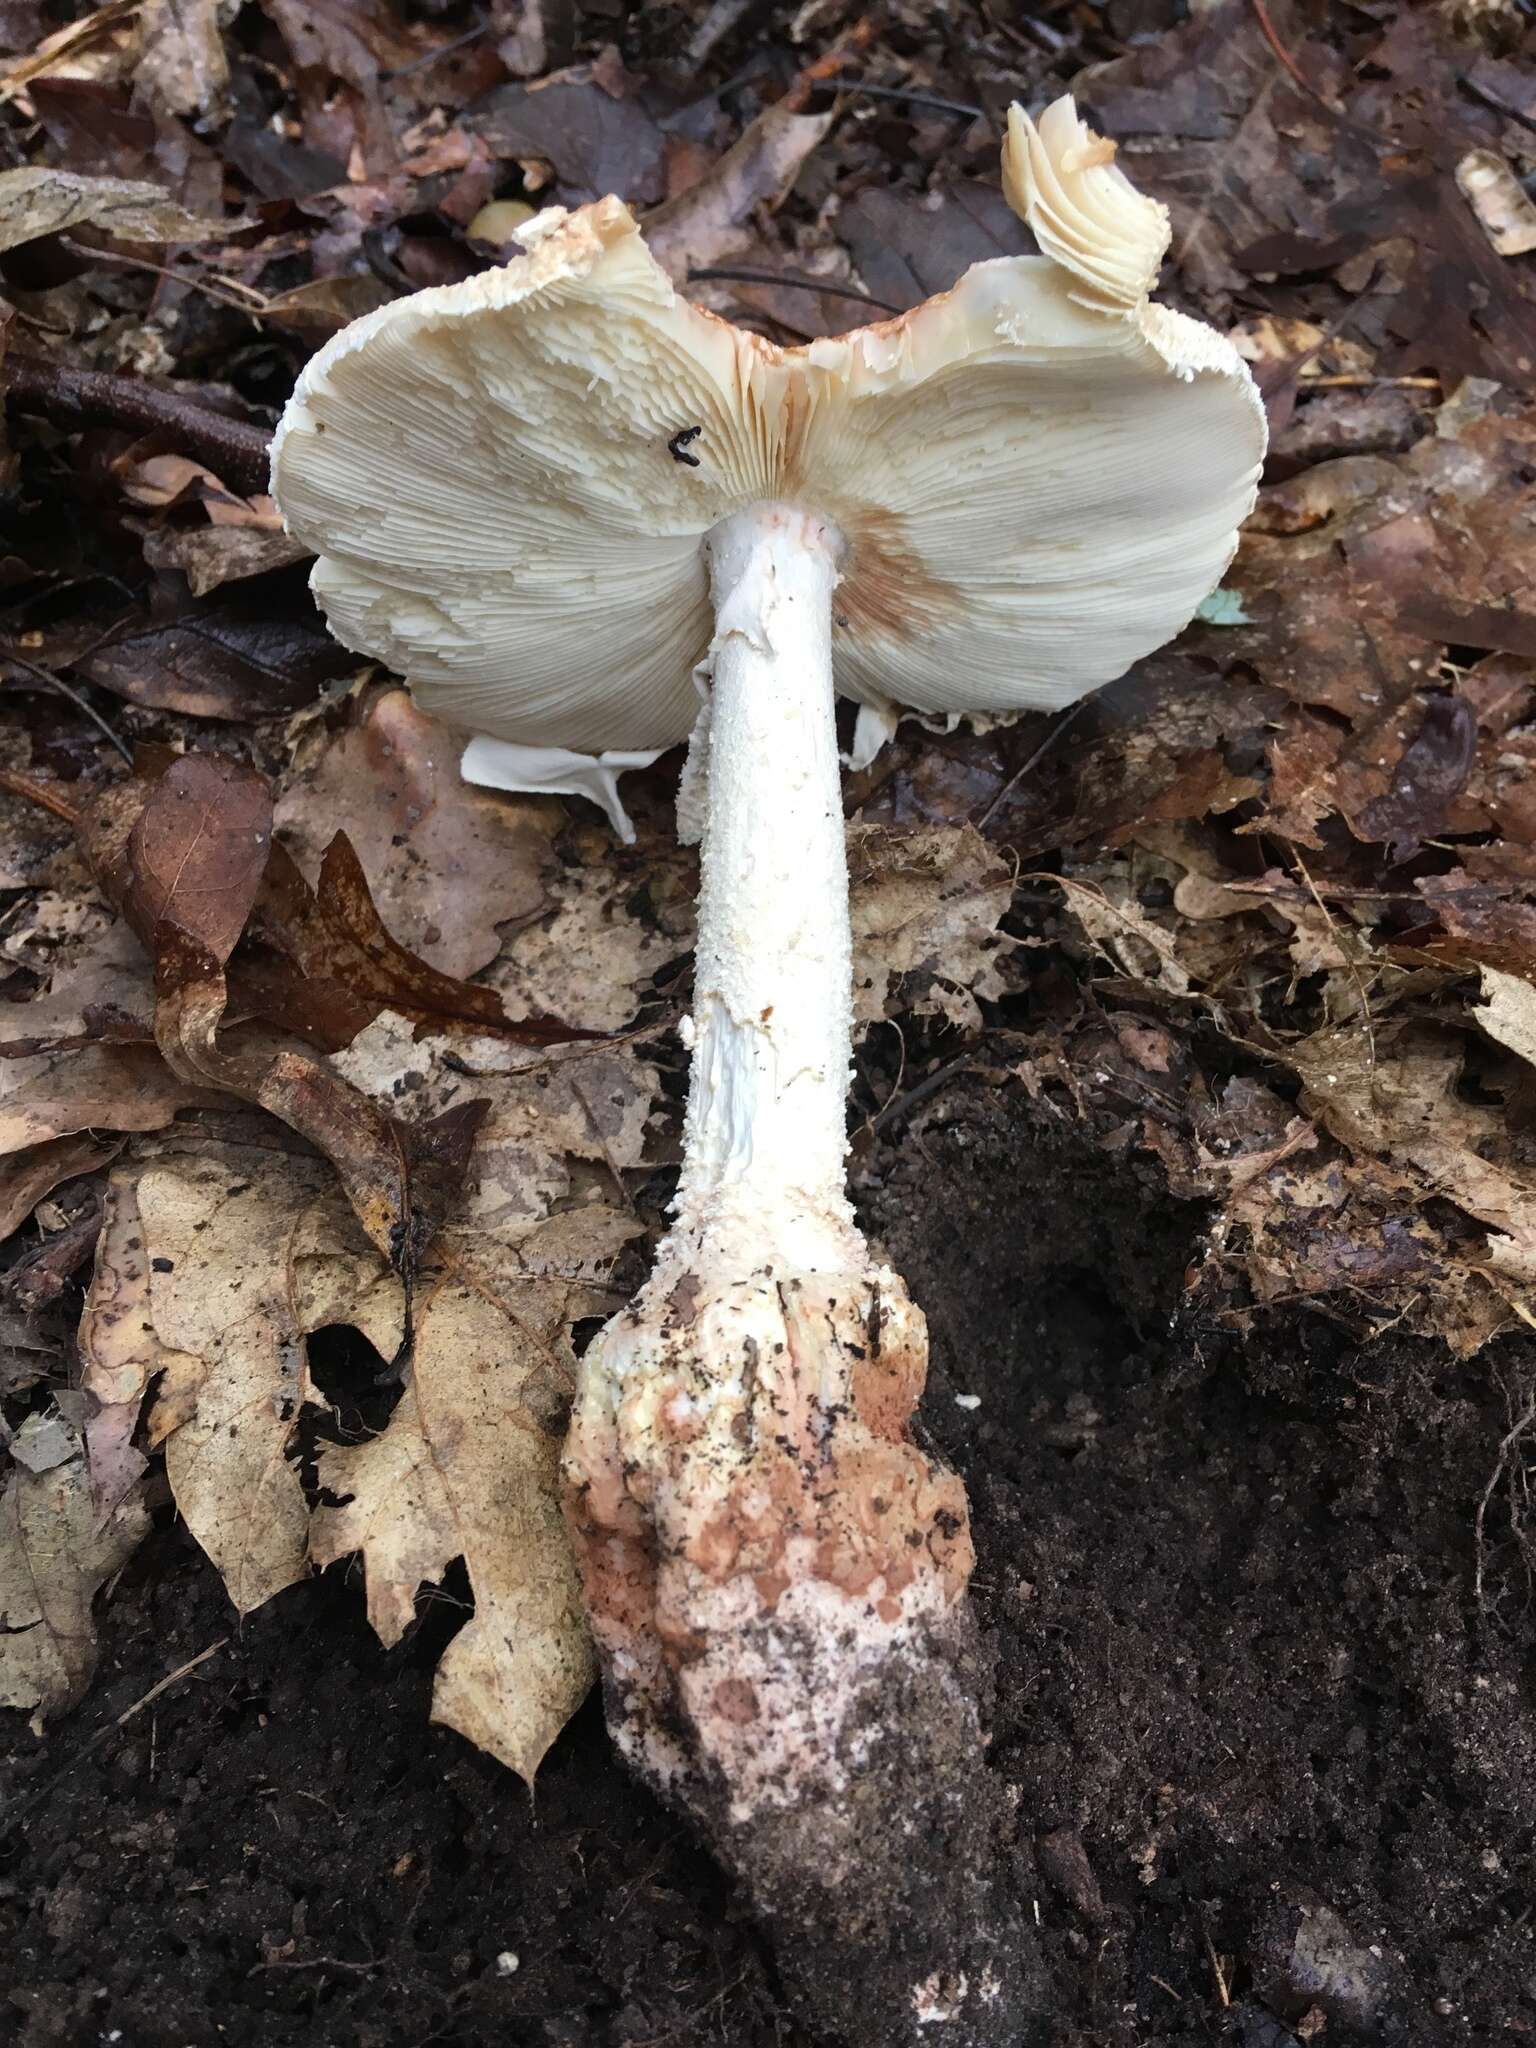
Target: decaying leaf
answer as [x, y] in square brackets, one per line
[926, 907]
[248, 1252]
[468, 1467]
[35, 201]
[54, 1557]
[446, 862]
[712, 219]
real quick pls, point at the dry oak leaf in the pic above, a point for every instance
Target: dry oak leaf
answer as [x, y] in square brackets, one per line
[468, 1466]
[925, 906]
[36, 200]
[54, 1555]
[249, 1251]
[544, 1110]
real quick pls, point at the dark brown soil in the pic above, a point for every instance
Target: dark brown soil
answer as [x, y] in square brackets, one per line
[1274, 1773]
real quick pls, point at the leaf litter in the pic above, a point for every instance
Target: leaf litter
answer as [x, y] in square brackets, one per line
[331, 1039]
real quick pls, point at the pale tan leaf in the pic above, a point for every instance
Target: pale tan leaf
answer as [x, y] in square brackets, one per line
[37, 200]
[235, 1239]
[120, 1352]
[1508, 1011]
[925, 907]
[53, 1558]
[468, 1467]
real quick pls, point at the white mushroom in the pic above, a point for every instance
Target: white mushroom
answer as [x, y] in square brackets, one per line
[569, 506]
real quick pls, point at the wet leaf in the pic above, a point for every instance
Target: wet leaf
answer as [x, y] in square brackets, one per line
[242, 657]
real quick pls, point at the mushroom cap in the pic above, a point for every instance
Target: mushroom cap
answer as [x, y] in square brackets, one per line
[1037, 475]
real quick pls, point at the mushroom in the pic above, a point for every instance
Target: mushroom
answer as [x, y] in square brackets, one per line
[580, 513]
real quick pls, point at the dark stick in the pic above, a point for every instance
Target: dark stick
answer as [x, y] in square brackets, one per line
[740, 273]
[915, 99]
[238, 451]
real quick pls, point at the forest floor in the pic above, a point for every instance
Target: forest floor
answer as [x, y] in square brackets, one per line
[1195, 1094]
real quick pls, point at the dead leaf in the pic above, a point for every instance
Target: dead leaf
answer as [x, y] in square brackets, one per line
[198, 851]
[182, 63]
[1507, 1012]
[925, 908]
[240, 655]
[26, 1177]
[37, 201]
[99, 1087]
[209, 556]
[53, 1560]
[249, 1251]
[1501, 203]
[468, 1466]
[398, 1177]
[447, 862]
[713, 218]
[596, 143]
[120, 1353]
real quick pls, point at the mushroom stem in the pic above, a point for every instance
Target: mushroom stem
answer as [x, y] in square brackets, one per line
[775, 1572]
[764, 1149]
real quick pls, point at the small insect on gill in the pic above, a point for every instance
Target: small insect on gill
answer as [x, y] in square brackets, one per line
[677, 447]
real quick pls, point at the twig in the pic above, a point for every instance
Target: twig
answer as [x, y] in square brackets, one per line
[470, 35]
[1506, 1445]
[798, 281]
[916, 99]
[1034, 761]
[1267, 27]
[171, 1678]
[921, 1092]
[43, 794]
[70, 397]
[53, 682]
[24, 1805]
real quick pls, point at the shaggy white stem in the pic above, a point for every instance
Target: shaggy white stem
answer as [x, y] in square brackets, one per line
[764, 1147]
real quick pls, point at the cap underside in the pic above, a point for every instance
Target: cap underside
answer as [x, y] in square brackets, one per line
[508, 482]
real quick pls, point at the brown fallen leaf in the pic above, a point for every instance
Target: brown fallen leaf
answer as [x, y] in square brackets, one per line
[36, 201]
[398, 1177]
[98, 1087]
[447, 862]
[26, 1177]
[102, 995]
[468, 1467]
[198, 850]
[54, 1557]
[713, 219]
[242, 654]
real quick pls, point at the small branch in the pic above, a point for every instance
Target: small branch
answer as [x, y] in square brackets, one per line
[44, 794]
[797, 281]
[53, 682]
[237, 450]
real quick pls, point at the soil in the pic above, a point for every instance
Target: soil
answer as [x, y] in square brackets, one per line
[1271, 1762]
